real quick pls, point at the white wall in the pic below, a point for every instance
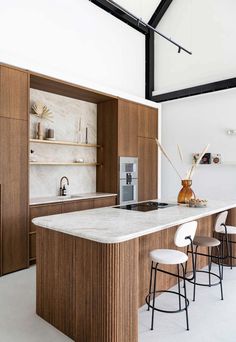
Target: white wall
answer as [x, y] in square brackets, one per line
[193, 122]
[207, 28]
[73, 40]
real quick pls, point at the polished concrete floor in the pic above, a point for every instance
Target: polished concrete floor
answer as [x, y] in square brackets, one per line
[211, 320]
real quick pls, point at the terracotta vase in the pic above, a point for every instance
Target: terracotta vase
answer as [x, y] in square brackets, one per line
[186, 193]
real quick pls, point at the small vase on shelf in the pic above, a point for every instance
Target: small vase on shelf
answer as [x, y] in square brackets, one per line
[186, 193]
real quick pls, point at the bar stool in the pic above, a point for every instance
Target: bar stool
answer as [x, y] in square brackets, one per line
[183, 238]
[210, 243]
[224, 231]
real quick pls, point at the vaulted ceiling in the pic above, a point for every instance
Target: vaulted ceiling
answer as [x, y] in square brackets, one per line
[141, 8]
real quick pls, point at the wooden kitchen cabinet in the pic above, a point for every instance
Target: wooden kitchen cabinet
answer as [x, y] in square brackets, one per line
[37, 211]
[77, 205]
[14, 194]
[147, 121]
[14, 89]
[43, 210]
[104, 202]
[147, 168]
[127, 129]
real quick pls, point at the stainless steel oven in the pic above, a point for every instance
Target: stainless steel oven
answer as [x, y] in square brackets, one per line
[128, 180]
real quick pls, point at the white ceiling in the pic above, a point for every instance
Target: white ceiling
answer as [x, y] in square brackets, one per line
[141, 8]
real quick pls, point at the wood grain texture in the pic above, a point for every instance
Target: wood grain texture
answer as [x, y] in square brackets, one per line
[14, 90]
[105, 202]
[67, 89]
[55, 299]
[86, 289]
[77, 205]
[43, 210]
[127, 129]
[107, 155]
[106, 279]
[14, 193]
[147, 122]
[147, 168]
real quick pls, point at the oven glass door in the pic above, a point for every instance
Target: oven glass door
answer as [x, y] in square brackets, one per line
[128, 192]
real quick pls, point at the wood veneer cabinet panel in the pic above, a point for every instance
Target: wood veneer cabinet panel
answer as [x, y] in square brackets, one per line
[127, 129]
[86, 289]
[106, 281]
[107, 155]
[104, 202]
[77, 205]
[147, 168]
[43, 210]
[55, 299]
[14, 194]
[14, 89]
[147, 121]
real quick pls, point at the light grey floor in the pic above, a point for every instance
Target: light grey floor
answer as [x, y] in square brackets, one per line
[211, 320]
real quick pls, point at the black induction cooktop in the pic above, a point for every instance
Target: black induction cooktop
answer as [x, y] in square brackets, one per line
[145, 206]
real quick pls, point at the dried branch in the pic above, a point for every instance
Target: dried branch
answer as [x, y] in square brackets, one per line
[167, 157]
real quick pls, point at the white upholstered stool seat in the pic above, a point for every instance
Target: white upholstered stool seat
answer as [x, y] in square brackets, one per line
[205, 241]
[168, 256]
[230, 229]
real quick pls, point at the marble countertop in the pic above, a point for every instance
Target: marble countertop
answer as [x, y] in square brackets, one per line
[75, 197]
[112, 225]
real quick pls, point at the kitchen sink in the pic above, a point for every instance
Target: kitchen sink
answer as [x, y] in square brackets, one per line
[69, 196]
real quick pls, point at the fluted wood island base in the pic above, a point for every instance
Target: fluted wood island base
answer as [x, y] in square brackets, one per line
[91, 291]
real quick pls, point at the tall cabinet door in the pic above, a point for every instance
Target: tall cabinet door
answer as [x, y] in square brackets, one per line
[127, 129]
[147, 151]
[14, 194]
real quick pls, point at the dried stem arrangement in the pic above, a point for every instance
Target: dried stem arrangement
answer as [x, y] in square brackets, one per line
[192, 169]
[42, 111]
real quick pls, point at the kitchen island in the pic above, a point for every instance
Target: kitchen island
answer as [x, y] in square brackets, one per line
[93, 266]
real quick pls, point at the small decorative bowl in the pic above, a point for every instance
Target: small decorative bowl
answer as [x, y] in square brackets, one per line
[197, 203]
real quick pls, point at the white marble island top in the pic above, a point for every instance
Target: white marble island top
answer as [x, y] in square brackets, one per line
[112, 225]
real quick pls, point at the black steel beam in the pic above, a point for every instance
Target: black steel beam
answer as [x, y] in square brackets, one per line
[150, 53]
[159, 12]
[198, 90]
[149, 60]
[120, 15]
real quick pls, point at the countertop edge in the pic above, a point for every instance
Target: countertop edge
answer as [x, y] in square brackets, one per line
[139, 234]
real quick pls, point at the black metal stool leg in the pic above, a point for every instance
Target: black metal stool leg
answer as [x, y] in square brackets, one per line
[222, 255]
[231, 259]
[150, 285]
[185, 295]
[179, 287]
[209, 264]
[154, 297]
[195, 275]
[221, 287]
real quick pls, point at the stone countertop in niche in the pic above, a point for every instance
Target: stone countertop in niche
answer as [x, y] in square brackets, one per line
[72, 197]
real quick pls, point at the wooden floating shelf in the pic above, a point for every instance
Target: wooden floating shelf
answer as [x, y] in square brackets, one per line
[61, 163]
[58, 142]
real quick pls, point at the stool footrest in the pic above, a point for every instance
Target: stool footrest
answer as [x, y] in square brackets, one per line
[148, 300]
[201, 284]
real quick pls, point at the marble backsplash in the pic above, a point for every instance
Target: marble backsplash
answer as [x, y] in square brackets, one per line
[67, 112]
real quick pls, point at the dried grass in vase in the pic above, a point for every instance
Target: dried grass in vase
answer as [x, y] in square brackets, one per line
[192, 169]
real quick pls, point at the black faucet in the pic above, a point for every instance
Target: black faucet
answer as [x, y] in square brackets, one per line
[62, 190]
